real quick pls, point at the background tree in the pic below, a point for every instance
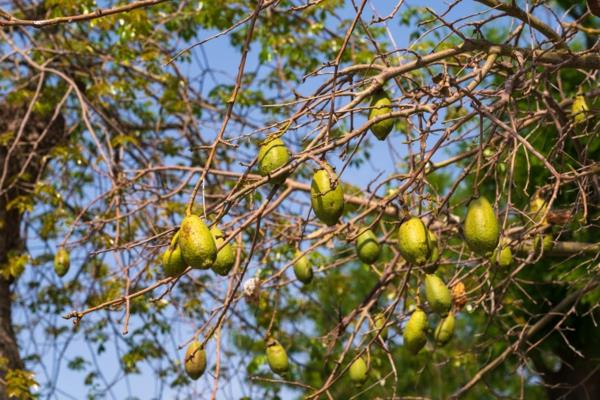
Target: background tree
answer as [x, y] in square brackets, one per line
[116, 122]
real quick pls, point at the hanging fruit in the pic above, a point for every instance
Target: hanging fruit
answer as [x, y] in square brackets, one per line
[327, 202]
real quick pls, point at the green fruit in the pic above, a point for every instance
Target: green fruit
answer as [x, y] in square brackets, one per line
[367, 247]
[62, 262]
[413, 241]
[380, 105]
[438, 295]
[359, 371]
[488, 152]
[225, 257]
[277, 357]
[502, 256]
[378, 324]
[195, 360]
[434, 256]
[580, 109]
[543, 242]
[501, 167]
[328, 203]
[481, 228]
[303, 270]
[272, 155]
[445, 330]
[172, 260]
[414, 331]
[198, 247]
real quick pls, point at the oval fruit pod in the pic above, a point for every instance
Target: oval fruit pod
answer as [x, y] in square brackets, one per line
[359, 372]
[502, 256]
[303, 270]
[481, 228]
[273, 154]
[195, 360]
[445, 330]
[62, 262]
[438, 295]
[415, 331]
[197, 245]
[413, 241]
[327, 202]
[367, 247]
[225, 257]
[381, 105]
[277, 357]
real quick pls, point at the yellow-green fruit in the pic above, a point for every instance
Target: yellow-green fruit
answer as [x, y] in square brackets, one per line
[380, 105]
[580, 109]
[502, 256]
[303, 270]
[438, 295]
[413, 241]
[367, 247]
[273, 155]
[359, 371]
[62, 262]
[543, 242]
[328, 203]
[434, 256]
[225, 257]
[414, 331]
[195, 360]
[173, 263]
[277, 357]
[538, 208]
[445, 330]
[481, 228]
[378, 324]
[197, 245]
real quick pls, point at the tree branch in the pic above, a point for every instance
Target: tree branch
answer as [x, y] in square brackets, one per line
[12, 21]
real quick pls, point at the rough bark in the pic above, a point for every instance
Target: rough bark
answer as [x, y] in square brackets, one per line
[9, 349]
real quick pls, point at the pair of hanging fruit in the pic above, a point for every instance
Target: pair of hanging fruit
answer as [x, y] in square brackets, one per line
[196, 245]
[415, 331]
[327, 195]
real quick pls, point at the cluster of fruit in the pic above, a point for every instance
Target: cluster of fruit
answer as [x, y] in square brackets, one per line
[418, 246]
[195, 245]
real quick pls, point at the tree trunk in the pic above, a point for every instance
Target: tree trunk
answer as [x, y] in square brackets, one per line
[9, 348]
[25, 162]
